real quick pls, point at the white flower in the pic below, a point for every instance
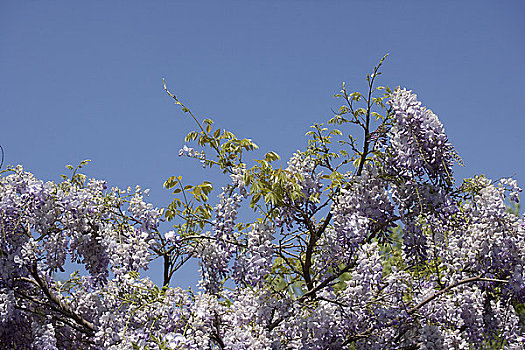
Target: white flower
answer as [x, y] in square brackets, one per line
[170, 235]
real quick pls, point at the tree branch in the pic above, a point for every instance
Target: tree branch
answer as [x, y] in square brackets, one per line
[424, 302]
[62, 308]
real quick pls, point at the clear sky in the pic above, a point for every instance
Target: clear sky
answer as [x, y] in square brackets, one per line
[83, 79]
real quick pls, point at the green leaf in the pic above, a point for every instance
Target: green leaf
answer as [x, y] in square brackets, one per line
[376, 115]
[271, 156]
[255, 199]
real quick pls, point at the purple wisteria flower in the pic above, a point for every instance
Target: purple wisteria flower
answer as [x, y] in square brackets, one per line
[418, 143]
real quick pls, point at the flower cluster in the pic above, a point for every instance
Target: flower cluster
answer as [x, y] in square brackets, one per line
[217, 249]
[237, 177]
[192, 153]
[362, 210]
[254, 263]
[418, 143]
[43, 225]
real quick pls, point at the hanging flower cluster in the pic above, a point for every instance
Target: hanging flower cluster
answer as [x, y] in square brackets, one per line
[418, 141]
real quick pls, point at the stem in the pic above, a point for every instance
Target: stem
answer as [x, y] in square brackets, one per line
[309, 254]
[167, 264]
[366, 127]
[60, 307]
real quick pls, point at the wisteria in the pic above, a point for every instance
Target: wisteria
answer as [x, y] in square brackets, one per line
[418, 141]
[362, 209]
[345, 246]
[254, 263]
[217, 250]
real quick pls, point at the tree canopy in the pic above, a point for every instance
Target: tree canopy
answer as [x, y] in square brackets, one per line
[363, 240]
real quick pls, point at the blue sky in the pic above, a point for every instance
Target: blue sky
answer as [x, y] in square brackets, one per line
[84, 79]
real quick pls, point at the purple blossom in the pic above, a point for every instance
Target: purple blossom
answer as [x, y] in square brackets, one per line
[418, 143]
[253, 264]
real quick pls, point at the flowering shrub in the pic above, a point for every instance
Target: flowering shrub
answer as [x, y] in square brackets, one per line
[359, 242]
